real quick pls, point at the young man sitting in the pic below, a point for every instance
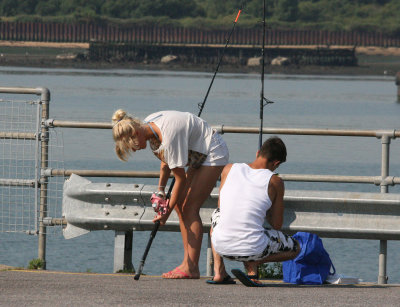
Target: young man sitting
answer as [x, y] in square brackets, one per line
[249, 193]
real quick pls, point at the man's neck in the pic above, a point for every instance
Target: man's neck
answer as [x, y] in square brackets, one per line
[259, 163]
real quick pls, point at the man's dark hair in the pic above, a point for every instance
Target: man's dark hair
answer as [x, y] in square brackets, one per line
[274, 149]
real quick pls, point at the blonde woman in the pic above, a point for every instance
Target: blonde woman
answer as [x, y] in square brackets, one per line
[196, 155]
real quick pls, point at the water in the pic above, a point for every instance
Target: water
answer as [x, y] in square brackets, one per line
[337, 102]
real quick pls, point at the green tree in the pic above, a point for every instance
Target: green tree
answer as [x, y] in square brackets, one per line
[70, 6]
[120, 8]
[170, 8]
[310, 11]
[27, 7]
[255, 8]
[48, 8]
[215, 9]
[9, 8]
[366, 15]
[287, 10]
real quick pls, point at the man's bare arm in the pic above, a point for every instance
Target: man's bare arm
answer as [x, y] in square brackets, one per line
[276, 190]
[224, 174]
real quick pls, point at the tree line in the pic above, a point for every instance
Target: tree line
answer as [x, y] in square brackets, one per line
[360, 15]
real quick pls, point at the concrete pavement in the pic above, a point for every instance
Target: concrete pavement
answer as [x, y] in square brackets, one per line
[48, 288]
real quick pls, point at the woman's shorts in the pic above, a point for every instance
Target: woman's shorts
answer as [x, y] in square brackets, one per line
[277, 242]
[219, 154]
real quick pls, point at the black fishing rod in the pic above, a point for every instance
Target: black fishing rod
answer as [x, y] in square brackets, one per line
[263, 101]
[161, 208]
[201, 107]
[146, 251]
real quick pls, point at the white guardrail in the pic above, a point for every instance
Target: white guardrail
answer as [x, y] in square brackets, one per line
[91, 206]
[104, 206]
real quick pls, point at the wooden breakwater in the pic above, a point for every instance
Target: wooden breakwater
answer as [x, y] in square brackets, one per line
[210, 54]
[154, 34]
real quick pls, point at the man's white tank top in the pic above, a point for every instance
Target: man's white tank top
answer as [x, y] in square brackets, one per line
[244, 202]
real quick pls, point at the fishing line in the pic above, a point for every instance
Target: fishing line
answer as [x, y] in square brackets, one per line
[201, 107]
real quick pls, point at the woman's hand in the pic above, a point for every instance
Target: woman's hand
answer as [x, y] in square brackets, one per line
[177, 194]
[162, 218]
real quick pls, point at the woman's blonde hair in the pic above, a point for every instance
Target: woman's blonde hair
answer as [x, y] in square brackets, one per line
[124, 133]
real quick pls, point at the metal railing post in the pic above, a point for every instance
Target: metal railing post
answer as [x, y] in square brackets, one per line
[398, 85]
[382, 275]
[123, 251]
[385, 140]
[45, 99]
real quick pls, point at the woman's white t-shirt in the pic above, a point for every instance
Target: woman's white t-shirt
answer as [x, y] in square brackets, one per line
[181, 132]
[244, 202]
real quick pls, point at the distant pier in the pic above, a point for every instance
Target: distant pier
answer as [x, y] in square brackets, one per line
[150, 43]
[161, 34]
[210, 54]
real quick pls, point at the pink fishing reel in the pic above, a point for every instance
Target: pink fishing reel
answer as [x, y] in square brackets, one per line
[159, 204]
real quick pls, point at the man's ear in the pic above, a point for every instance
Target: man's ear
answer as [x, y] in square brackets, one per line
[277, 163]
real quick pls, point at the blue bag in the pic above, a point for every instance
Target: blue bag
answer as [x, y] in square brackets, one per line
[312, 265]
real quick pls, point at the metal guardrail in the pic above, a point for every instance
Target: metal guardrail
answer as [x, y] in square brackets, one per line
[376, 180]
[252, 130]
[97, 206]
[17, 182]
[385, 135]
[18, 135]
[361, 205]
[384, 180]
[91, 206]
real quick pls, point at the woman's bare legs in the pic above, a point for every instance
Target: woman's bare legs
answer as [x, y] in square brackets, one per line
[179, 211]
[202, 184]
[202, 181]
[176, 273]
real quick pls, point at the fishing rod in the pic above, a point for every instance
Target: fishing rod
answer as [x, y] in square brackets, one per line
[263, 101]
[201, 105]
[152, 235]
[160, 205]
[160, 202]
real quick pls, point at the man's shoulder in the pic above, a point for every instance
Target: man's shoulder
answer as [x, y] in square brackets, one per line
[276, 182]
[275, 178]
[226, 171]
[227, 168]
